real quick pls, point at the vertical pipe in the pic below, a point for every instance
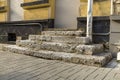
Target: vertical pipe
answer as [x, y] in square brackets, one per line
[112, 8]
[89, 20]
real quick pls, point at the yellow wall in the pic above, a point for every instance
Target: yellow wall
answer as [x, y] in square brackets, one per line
[29, 0]
[36, 14]
[45, 12]
[3, 15]
[100, 8]
[3, 3]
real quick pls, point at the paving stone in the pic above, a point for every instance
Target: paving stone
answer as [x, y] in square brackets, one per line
[103, 74]
[18, 70]
[117, 76]
[30, 68]
[94, 74]
[83, 73]
[111, 75]
[53, 78]
[47, 72]
[32, 71]
[69, 72]
[55, 71]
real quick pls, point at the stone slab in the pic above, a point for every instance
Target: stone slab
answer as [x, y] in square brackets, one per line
[90, 49]
[94, 60]
[62, 39]
[62, 33]
[50, 46]
[114, 48]
[61, 47]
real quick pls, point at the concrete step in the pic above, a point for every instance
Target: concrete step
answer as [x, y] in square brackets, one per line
[62, 47]
[62, 33]
[60, 29]
[62, 39]
[51, 46]
[94, 60]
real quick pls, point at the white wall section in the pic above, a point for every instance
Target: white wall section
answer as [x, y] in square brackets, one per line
[66, 13]
[16, 11]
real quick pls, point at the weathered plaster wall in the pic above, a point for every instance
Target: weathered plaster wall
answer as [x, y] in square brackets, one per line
[29, 0]
[46, 12]
[33, 14]
[3, 15]
[66, 13]
[100, 8]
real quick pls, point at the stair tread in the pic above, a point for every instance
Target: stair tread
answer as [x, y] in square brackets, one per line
[96, 60]
[63, 33]
[62, 47]
[64, 39]
[23, 48]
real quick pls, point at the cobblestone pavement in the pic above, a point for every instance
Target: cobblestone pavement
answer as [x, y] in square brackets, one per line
[21, 67]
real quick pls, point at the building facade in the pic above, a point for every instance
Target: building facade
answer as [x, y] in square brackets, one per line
[69, 14]
[17, 10]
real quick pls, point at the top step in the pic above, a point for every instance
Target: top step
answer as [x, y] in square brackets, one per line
[60, 29]
[62, 33]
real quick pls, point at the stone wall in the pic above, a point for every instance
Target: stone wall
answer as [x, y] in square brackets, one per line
[101, 28]
[21, 28]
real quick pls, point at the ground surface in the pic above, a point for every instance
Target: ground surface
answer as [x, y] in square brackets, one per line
[21, 67]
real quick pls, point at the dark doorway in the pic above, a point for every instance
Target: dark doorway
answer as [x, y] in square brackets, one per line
[11, 37]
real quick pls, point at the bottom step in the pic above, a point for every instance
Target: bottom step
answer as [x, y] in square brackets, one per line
[91, 60]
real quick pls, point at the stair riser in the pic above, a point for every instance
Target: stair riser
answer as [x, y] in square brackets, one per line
[80, 59]
[89, 50]
[48, 46]
[62, 39]
[70, 48]
[63, 33]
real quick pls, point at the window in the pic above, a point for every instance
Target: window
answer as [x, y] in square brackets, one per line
[11, 37]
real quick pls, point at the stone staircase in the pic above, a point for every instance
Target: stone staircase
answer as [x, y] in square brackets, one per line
[67, 46]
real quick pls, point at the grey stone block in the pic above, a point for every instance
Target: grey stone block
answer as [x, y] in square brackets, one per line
[67, 39]
[63, 39]
[62, 33]
[32, 37]
[89, 49]
[115, 48]
[24, 43]
[91, 60]
[51, 46]
[61, 47]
